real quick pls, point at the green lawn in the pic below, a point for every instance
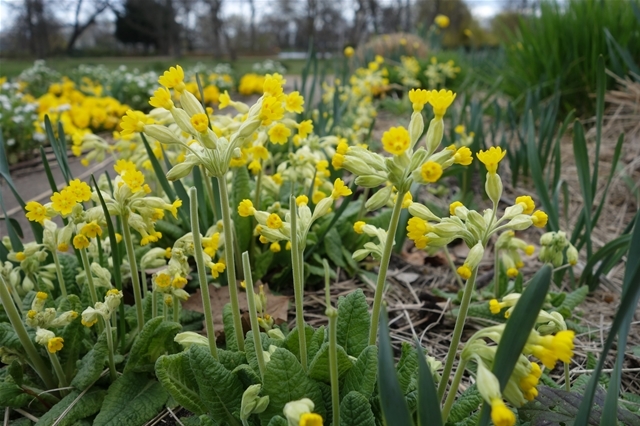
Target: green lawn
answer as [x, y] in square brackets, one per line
[13, 67]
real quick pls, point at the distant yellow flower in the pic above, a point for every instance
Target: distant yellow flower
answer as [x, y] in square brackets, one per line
[80, 242]
[274, 221]
[255, 167]
[36, 212]
[91, 230]
[340, 189]
[459, 129]
[317, 196]
[349, 51]
[419, 97]
[133, 122]
[123, 166]
[528, 205]
[275, 247]
[491, 158]
[80, 190]
[20, 256]
[302, 200]
[161, 99]
[512, 272]
[294, 103]
[277, 178]
[337, 161]
[305, 128]
[63, 201]
[342, 147]
[217, 269]
[63, 247]
[200, 122]
[431, 171]
[529, 250]
[396, 140]
[494, 306]
[173, 78]
[359, 227]
[440, 101]
[272, 85]
[407, 200]
[463, 156]
[178, 282]
[442, 21]
[55, 344]
[174, 207]
[225, 100]
[134, 180]
[468, 32]
[246, 209]
[279, 134]
[539, 219]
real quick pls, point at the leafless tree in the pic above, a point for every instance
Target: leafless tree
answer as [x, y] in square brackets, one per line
[79, 26]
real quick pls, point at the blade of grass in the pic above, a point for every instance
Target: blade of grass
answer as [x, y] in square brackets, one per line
[581, 155]
[428, 407]
[56, 149]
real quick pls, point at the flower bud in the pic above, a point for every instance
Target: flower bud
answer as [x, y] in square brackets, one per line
[370, 181]
[572, 255]
[493, 187]
[423, 212]
[190, 103]
[487, 383]
[179, 171]
[416, 127]
[252, 403]
[208, 139]
[379, 199]
[248, 127]
[276, 333]
[357, 166]
[322, 208]
[161, 134]
[475, 255]
[520, 222]
[434, 134]
[512, 211]
[188, 338]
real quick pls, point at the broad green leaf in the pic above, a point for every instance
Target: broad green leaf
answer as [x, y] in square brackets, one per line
[332, 245]
[231, 359]
[319, 367]
[133, 399]
[392, 401]
[354, 322]
[319, 337]
[13, 395]
[261, 264]
[229, 333]
[572, 300]
[429, 413]
[92, 364]
[247, 375]
[355, 410]
[176, 376]
[291, 341]
[466, 404]
[86, 406]
[407, 366]
[220, 390]
[362, 377]
[285, 381]
[249, 347]
[9, 338]
[278, 421]
[155, 339]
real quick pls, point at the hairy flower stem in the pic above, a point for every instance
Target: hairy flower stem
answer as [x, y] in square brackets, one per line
[451, 396]
[297, 264]
[135, 277]
[229, 254]
[567, 379]
[253, 313]
[62, 379]
[384, 265]
[202, 273]
[496, 275]
[33, 357]
[256, 203]
[87, 270]
[457, 332]
[176, 308]
[154, 304]
[112, 364]
[332, 314]
[56, 260]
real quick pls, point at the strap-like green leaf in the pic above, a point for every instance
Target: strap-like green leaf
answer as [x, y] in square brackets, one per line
[428, 402]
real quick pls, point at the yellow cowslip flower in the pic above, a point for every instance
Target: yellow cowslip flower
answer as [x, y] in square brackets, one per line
[161, 99]
[55, 344]
[491, 158]
[442, 21]
[495, 307]
[431, 171]
[464, 271]
[440, 101]
[217, 269]
[80, 190]
[63, 201]
[539, 219]
[463, 156]
[407, 200]
[91, 230]
[173, 78]
[529, 382]
[459, 129]
[528, 205]
[359, 227]
[36, 212]
[310, 419]
[417, 230]
[174, 207]
[123, 166]
[279, 134]
[396, 140]
[453, 206]
[277, 178]
[163, 281]
[134, 180]
[512, 272]
[225, 100]
[302, 200]
[272, 85]
[274, 221]
[529, 250]
[20, 256]
[501, 415]
[305, 128]
[340, 189]
[275, 247]
[63, 247]
[80, 242]
[294, 103]
[133, 122]
[178, 282]
[317, 196]
[200, 122]
[246, 209]
[259, 151]
[419, 98]
[349, 51]
[549, 349]
[323, 168]
[337, 161]
[342, 147]
[255, 167]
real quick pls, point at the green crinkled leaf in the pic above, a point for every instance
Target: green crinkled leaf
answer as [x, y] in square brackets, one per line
[285, 381]
[362, 377]
[73, 335]
[12, 395]
[229, 329]
[573, 300]
[92, 364]
[332, 245]
[88, 405]
[249, 347]
[356, 411]
[23, 421]
[220, 390]
[241, 191]
[278, 421]
[481, 310]
[316, 342]
[407, 367]
[556, 406]
[262, 264]
[231, 359]
[9, 337]
[466, 404]
[247, 375]
[132, 400]
[291, 341]
[319, 367]
[354, 322]
[175, 374]
[153, 341]
[70, 266]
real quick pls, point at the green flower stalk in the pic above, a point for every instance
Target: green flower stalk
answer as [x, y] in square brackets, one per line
[202, 275]
[56, 261]
[87, 269]
[135, 276]
[33, 356]
[111, 360]
[332, 314]
[253, 313]
[297, 267]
